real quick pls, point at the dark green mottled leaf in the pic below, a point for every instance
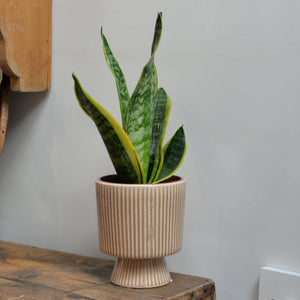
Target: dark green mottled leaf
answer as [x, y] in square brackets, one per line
[162, 107]
[119, 77]
[140, 109]
[157, 33]
[174, 152]
[119, 147]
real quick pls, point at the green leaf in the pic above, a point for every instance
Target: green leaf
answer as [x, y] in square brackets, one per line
[119, 147]
[140, 108]
[113, 65]
[161, 114]
[157, 33]
[174, 152]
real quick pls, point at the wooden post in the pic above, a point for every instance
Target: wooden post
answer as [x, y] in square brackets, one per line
[3, 110]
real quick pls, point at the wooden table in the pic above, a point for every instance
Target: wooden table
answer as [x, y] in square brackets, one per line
[34, 273]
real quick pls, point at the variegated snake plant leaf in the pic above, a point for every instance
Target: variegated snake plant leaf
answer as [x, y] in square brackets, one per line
[136, 149]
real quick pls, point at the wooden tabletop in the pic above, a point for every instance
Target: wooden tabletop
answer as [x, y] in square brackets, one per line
[34, 273]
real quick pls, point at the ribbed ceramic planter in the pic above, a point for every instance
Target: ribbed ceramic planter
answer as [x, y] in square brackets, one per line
[140, 224]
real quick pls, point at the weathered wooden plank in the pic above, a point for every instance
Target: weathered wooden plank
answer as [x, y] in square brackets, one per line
[14, 290]
[35, 273]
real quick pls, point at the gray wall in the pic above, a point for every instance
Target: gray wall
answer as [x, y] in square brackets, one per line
[232, 70]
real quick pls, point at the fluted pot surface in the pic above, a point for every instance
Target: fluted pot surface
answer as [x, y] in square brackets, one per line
[140, 221]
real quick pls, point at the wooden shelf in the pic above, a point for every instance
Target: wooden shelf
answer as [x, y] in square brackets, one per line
[35, 273]
[25, 43]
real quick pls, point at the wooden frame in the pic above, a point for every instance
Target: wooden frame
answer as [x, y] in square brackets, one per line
[25, 43]
[25, 50]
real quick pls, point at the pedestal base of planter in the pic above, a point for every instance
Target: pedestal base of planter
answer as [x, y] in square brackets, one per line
[141, 273]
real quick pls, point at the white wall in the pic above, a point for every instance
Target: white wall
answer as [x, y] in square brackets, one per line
[232, 70]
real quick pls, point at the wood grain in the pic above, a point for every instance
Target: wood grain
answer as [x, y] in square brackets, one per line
[25, 43]
[34, 273]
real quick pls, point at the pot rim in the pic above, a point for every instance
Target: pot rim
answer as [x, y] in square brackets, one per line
[108, 180]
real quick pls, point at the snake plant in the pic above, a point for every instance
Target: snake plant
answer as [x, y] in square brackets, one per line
[136, 148]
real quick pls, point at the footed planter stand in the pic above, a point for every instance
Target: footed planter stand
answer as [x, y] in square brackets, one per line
[140, 224]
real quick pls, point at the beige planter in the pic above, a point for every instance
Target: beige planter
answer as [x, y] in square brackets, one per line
[140, 224]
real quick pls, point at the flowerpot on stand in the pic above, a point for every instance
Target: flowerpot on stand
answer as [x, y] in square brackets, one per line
[140, 224]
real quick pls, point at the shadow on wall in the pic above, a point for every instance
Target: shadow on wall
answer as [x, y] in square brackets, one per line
[22, 104]
[25, 110]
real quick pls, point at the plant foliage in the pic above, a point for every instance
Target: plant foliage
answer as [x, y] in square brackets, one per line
[136, 148]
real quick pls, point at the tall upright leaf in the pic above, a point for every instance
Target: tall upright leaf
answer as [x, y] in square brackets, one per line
[157, 33]
[162, 107]
[174, 152]
[140, 108]
[119, 147]
[119, 77]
